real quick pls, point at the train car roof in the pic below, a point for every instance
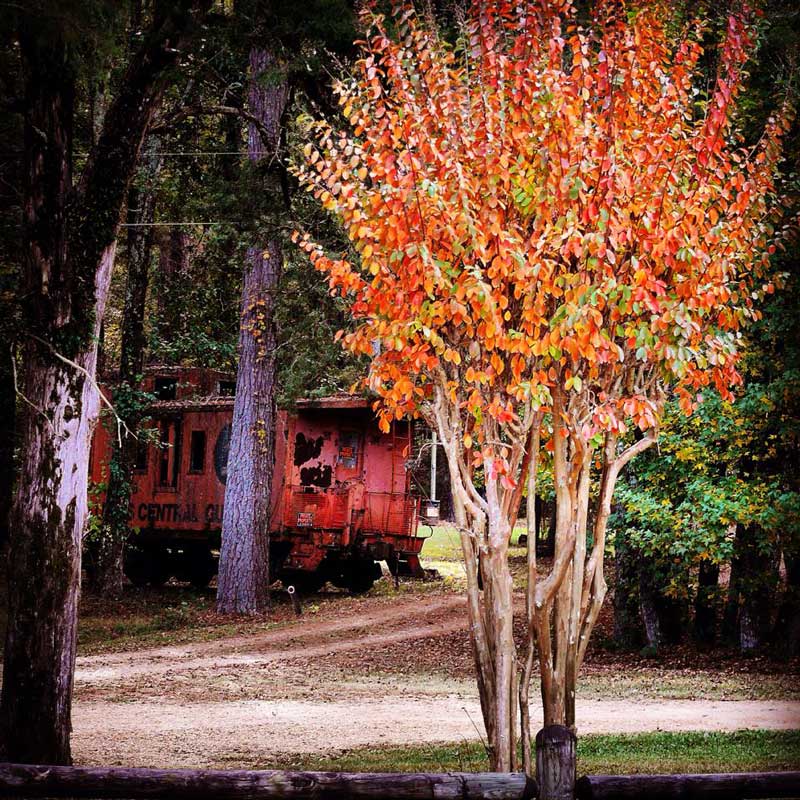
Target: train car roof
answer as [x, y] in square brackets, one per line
[218, 403]
[349, 401]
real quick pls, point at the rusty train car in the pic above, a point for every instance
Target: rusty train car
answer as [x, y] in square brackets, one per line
[340, 501]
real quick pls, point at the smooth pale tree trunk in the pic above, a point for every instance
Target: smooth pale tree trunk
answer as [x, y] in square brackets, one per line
[563, 607]
[69, 243]
[107, 574]
[243, 583]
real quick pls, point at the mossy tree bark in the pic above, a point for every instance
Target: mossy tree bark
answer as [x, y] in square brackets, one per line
[243, 584]
[70, 233]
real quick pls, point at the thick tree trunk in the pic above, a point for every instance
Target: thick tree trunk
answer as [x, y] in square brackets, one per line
[758, 594]
[107, 574]
[45, 554]
[70, 239]
[243, 583]
[706, 603]
[673, 613]
[754, 577]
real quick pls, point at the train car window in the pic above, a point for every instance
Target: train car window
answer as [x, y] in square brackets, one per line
[140, 459]
[197, 451]
[165, 388]
[227, 388]
[170, 455]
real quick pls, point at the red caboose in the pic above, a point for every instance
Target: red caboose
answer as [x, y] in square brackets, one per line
[340, 502]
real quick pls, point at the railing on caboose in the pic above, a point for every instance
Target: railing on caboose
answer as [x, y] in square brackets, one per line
[390, 513]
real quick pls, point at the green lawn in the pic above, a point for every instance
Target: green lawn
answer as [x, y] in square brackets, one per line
[444, 543]
[650, 753]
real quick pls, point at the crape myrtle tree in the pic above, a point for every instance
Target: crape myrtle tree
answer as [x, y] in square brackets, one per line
[553, 226]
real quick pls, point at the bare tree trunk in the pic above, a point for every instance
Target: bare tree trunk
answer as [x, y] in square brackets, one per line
[754, 576]
[69, 252]
[562, 609]
[173, 264]
[706, 603]
[648, 604]
[8, 404]
[730, 614]
[786, 634]
[627, 621]
[107, 573]
[243, 583]
[529, 649]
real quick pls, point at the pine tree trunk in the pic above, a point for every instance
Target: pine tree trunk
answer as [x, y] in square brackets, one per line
[243, 583]
[107, 575]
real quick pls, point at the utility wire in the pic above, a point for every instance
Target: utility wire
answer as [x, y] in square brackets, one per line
[169, 224]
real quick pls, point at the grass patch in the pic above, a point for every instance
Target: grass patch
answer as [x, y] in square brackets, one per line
[444, 544]
[644, 753]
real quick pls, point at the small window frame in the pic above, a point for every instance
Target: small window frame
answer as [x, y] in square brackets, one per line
[197, 434]
[165, 388]
[141, 458]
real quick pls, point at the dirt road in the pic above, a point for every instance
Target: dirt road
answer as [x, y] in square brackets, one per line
[322, 685]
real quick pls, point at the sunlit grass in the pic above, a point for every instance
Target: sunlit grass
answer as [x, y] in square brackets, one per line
[644, 753]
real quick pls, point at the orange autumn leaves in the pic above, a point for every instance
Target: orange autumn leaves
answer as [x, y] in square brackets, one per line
[545, 205]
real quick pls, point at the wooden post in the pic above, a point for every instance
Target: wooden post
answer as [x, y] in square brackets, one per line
[555, 763]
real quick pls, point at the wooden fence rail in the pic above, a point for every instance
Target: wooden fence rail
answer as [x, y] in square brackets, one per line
[22, 780]
[726, 786]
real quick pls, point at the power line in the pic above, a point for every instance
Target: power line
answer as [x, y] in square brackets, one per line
[168, 224]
